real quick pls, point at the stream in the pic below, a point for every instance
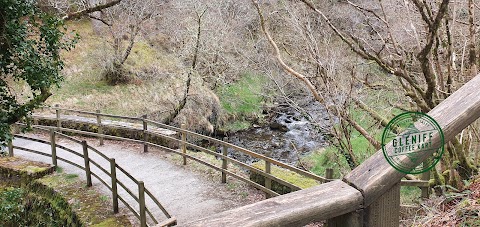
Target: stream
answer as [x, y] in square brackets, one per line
[287, 137]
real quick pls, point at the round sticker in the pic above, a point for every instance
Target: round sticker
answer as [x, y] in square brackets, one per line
[408, 138]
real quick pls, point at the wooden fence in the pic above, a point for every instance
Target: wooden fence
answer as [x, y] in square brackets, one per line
[180, 137]
[139, 197]
[367, 196]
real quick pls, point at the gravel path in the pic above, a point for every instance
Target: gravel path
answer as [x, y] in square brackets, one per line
[184, 194]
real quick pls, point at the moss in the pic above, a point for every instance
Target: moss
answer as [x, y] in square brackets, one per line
[23, 171]
[112, 130]
[36, 204]
[445, 175]
[283, 174]
[35, 169]
[111, 222]
[44, 200]
[87, 203]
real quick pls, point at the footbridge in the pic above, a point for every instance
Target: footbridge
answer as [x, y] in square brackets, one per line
[368, 196]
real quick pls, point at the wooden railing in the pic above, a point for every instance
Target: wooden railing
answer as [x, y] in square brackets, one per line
[139, 197]
[181, 136]
[367, 196]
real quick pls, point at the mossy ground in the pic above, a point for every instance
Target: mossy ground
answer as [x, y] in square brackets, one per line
[460, 208]
[90, 206]
[287, 175]
[22, 165]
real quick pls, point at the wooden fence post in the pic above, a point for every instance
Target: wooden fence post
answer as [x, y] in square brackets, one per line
[145, 134]
[268, 180]
[113, 175]
[141, 201]
[425, 190]
[353, 219]
[385, 211]
[57, 113]
[10, 148]
[329, 173]
[224, 160]
[53, 145]
[87, 163]
[183, 145]
[100, 127]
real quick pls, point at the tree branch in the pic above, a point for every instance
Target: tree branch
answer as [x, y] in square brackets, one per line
[310, 86]
[99, 7]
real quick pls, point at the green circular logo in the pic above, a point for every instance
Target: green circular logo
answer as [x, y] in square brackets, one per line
[408, 139]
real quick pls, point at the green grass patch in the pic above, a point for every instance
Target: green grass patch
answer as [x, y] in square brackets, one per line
[71, 176]
[327, 158]
[243, 100]
[410, 195]
[287, 175]
[237, 125]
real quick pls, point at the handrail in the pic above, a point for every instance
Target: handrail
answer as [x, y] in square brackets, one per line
[373, 179]
[196, 147]
[88, 172]
[187, 133]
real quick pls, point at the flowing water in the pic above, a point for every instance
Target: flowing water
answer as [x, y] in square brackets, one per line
[288, 136]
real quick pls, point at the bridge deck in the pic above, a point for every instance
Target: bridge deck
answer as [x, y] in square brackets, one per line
[185, 195]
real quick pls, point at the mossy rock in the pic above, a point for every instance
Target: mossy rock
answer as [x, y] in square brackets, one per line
[40, 205]
[283, 174]
[20, 171]
[53, 200]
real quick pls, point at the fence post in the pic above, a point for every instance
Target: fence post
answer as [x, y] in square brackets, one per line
[141, 201]
[57, 113]
[329, 173]
[113, 175]
[385, 211]
[224, 160]
[145, 134]
[425, 190]
[10, 148]
[100, 127]
[53, 145]
[268, 180]
[184, 146]
[87, 163]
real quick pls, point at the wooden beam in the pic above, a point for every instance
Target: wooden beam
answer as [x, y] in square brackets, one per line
[414, 183]
[375, 176]
[294, 209]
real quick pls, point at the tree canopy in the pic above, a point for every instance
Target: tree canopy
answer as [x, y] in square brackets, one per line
[30, 61]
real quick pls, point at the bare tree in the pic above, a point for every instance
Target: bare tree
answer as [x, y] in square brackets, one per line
[409, 41]
[123, 24]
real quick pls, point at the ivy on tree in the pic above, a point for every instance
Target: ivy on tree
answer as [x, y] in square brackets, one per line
[30, 46]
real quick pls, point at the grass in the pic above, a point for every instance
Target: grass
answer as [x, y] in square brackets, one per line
[287, 175]
[242, 101]
[71, 176]
[410, 195]
[84, 87]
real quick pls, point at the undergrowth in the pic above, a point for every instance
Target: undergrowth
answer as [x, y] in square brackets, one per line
[243, 101]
